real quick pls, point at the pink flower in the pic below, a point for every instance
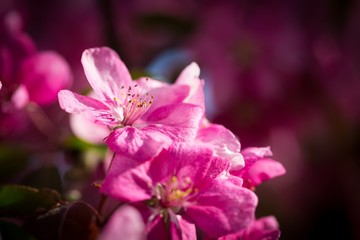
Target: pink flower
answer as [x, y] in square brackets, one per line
[43, 75]
[266, 228]
[258, 167]
[187, 181]
[145, 115]
[28, 75]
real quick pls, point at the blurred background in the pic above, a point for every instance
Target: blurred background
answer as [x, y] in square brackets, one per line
[279, 73]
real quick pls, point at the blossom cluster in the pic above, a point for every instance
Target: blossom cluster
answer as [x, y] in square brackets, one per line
[174, 174]
[291, 84]
[27, 75]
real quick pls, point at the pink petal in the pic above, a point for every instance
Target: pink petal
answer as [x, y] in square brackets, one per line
[262, 170]
[253, 153]
[127, 181]
[180, 122]
[126, 223]
[148, 84]
[119, 164]
[258, 168]
[194, 163]
[167, 95]
[188, 74]
[20, 97]
[260, 229]
[184, 161]
[190, 77]
[220, 167]
[105, 72]
[140, 144]
[156, 229]
[80, 126]
[183, 230]
[197, 96]
[229, 206]
[223, 142]
[94, 109]
[263, 228]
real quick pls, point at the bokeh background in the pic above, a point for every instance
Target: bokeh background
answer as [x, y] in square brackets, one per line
[279, 73]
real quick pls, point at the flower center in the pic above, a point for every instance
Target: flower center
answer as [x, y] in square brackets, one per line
[174, 194]
[132, 103]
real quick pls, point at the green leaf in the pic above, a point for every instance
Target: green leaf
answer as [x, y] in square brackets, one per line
[19, 201]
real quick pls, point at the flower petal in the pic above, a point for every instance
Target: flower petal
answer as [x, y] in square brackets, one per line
[190, 77]
[126, 223]
[180, 121]
[187, 230]
[253, 153]
[229, 206]
[258, 167]
[148, 84]
[182, 161]
[223, 142]
[188, 74]
[127, 180]
[93, 109]
[260, 229]
[20, 97]
[156, 229]
[105, 72]
[80, 126]
[263, 228]
[262, 170]
[141, 144]
[167, 95]
[74, 103]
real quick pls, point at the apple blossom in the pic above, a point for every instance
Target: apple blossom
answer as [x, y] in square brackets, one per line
[145, 116]
[187, 181]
